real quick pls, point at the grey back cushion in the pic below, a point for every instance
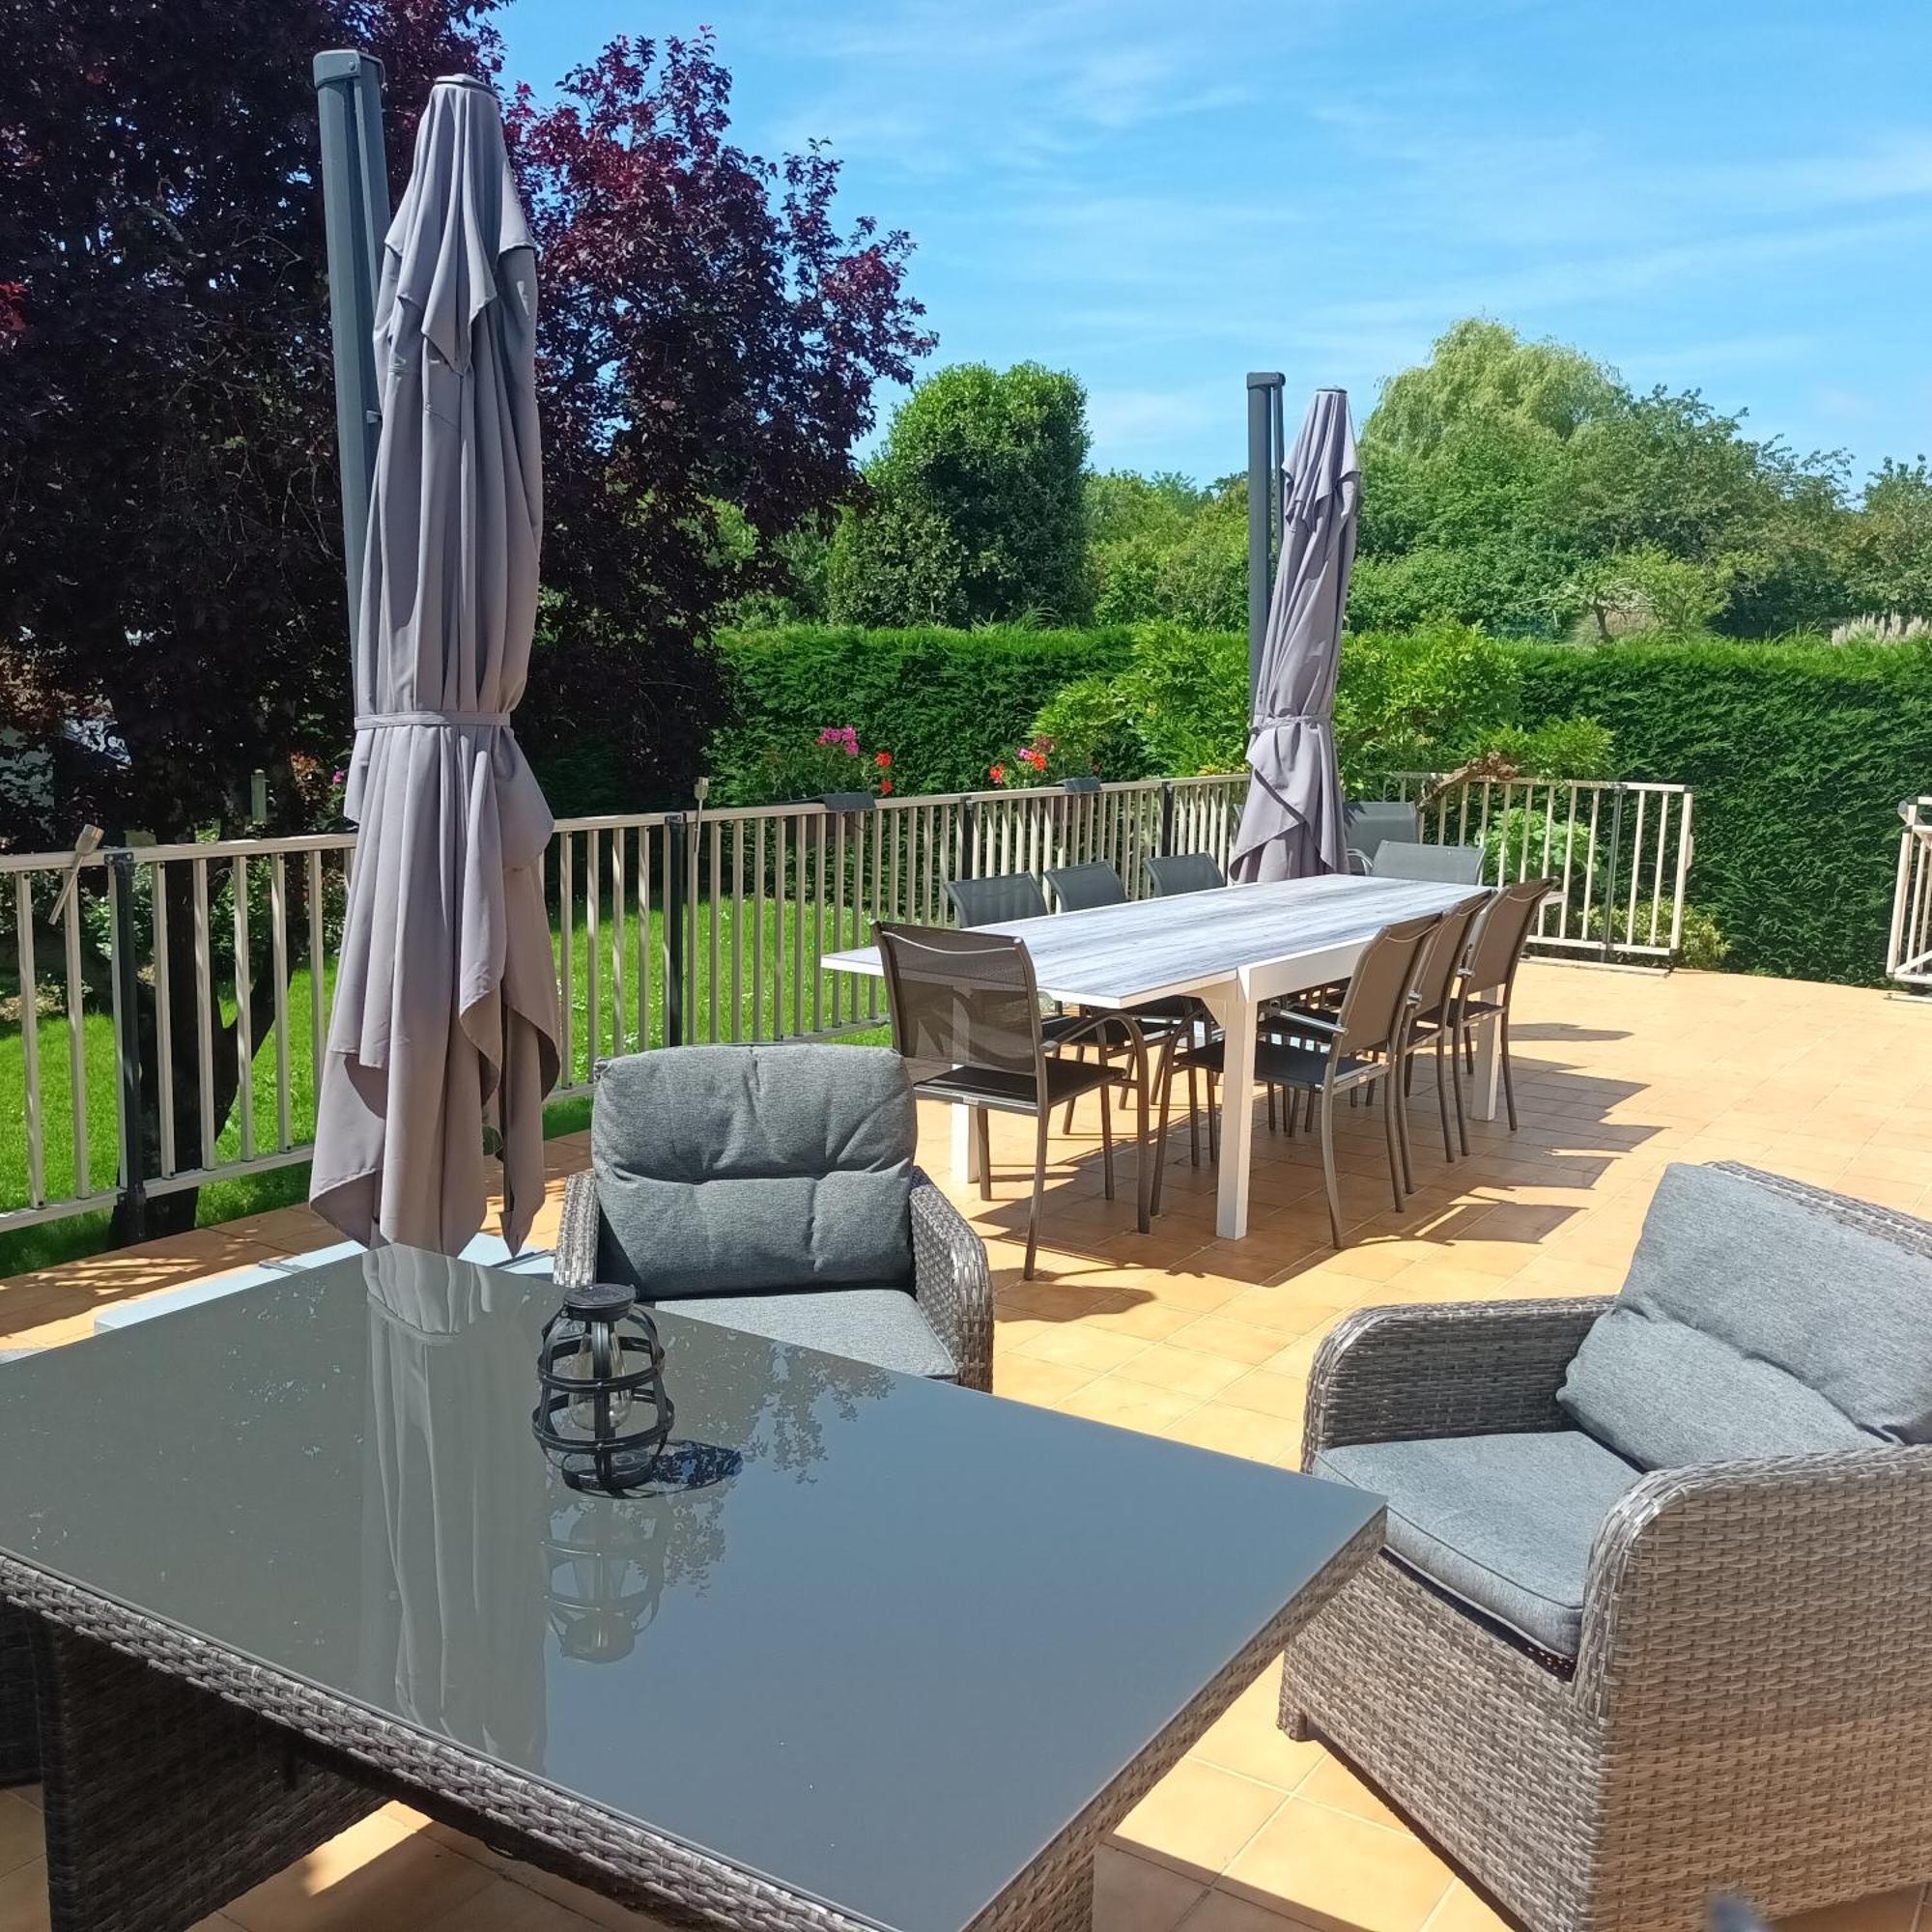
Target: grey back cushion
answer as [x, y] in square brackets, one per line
[734, 1170]
[1753, 1326]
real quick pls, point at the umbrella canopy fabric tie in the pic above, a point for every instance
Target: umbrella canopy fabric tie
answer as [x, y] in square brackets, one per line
[385, 721]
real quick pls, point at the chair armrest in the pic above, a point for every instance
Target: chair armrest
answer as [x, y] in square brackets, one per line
[576, 1236]
[1469, 1367]
[1783, 1593]
[950, 1282]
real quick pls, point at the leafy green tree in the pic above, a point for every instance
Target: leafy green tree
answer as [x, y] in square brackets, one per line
[1483, 371]
[974, 510]
[1521, 486]
[1889, 562]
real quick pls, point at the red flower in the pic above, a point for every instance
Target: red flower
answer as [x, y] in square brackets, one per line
[885, 784]
[997, 772]
[882, 759]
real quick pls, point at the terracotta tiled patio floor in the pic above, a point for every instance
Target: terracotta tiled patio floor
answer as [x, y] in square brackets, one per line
[1209, 1341]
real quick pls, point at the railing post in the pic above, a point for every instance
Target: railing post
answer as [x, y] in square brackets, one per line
[1166, 819]
[678, 831]
[1610, 869]
[969, 812]
[127, 1044]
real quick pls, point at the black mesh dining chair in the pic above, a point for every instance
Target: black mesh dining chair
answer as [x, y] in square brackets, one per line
[1078, 888]
[966, 1017]
[1184, 873]
[995, 900]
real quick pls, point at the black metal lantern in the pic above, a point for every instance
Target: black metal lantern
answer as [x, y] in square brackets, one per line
[603, 1415]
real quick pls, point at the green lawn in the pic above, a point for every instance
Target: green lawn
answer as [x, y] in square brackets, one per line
[761, 1005]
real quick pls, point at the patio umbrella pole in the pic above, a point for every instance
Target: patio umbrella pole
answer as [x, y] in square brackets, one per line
[355, 216]
[1264, 387]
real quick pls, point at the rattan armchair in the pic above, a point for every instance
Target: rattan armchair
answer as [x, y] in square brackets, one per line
[1750, 1704]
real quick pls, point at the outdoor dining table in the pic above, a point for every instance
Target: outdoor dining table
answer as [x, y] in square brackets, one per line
[866, 1651]
[1232, 950]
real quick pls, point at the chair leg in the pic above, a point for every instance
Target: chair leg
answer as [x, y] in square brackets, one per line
[1397, 1101]
[1503, 1047]
[1107, 1142]
[1193, 1119]
[1328, 1160]
[1455, 1079]
[1213, 1117]
[1039, 1189]
[1142, 1197]
[1389, 1135]
[1271, 1095]
[983, 1126]
[1160, 1141]
[1442, 1092]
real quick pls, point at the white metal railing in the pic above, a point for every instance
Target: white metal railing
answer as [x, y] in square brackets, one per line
[1620, 854]
[1908, 954]
[169, 1011]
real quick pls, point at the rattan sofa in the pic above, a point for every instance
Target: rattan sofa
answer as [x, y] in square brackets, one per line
[1748, 1707]
[772, 1188]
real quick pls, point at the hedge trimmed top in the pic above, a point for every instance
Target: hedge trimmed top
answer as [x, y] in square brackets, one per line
[1798, 751]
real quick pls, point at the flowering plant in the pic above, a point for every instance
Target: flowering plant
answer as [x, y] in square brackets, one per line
[836, 761]
[1038, 761]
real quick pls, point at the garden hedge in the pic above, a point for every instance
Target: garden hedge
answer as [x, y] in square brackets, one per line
[1797, 752]
[946, 704]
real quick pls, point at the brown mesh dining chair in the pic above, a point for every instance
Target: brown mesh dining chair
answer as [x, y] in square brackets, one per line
[1433, 1007]
[1486, 982]
[966, 1018]
[1363, 1049]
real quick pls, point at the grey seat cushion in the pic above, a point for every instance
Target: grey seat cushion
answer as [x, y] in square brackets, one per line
[1752, 1325]
[880, 1325]
[1504, 1522]
[733, 1170]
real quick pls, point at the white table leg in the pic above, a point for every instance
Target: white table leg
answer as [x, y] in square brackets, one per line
[1234, 1009]
[1489, 1069]
[965, 1144]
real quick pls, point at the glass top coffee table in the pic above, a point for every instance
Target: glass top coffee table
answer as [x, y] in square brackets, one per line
[876, 1652]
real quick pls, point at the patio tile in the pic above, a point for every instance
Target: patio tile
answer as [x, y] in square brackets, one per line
[1247, 1739]
[1029, 1379]
[1239, 1432]
[1888, 1912]
[378, 1876]
[23, 1897]
[1198, 1817]
[1132, 1894]
[1128, 1404]
[1464, 1911]
[1330, 1870]
[1332, 1783]
[21, 1836]
[1185, 1371]
[1271, 1393]
[1222, 1336]
[1224, 1912]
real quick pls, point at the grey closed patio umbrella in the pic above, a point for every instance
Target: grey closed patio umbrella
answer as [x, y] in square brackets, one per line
[1291, 824]
[445, 1018]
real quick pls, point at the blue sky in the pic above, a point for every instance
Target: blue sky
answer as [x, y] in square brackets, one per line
[1732, 195]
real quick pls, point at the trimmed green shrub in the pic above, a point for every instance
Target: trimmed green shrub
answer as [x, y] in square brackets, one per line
[1798, 754]
[946, 704]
